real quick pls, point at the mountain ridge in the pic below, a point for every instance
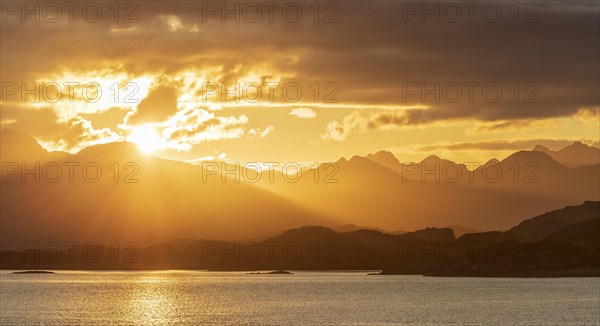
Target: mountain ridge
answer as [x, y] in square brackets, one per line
[176, 196]
[572, 250]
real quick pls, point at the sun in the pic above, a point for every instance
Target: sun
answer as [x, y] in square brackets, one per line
[146, 137]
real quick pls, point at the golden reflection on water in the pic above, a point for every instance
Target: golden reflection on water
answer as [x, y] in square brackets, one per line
[311, 298]
[151, 300]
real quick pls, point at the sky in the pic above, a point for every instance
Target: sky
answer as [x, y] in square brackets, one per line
[302, 82]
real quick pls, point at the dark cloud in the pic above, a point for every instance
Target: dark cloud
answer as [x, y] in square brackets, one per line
[501, 145]
[372, 54]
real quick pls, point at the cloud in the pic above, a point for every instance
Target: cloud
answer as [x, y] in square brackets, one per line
[190, 127]
[588, 114]
[384, 52]
[78, 133]
[303, 113]
[384, 119]
[267, 131]
[502, 145]
[370, 55]
[352, 123]
[160, 103]
[393, 119]
[172, 22]
[7, 122]
[504, 125]
[39, 123]
[260, 133]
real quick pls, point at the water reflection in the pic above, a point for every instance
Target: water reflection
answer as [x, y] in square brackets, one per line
[308, 298]
[152, 299]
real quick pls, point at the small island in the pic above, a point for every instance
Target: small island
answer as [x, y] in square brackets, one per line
[270, 273]
[33, 272]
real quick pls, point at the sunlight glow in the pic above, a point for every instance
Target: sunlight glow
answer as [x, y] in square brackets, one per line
[146, 137]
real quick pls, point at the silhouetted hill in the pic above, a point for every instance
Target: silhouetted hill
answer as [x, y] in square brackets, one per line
[459, 230]
[532, 156]
[169, 199]
[541, 148]
[585, 232]
[386, 159]
[574, 155]
[129, 196]
[352, 227]
[548, 257]
[570, 251]
[485, 237]
[395, 196]
[121, 150]
[541, 226]
[436, 234]
[18, 147]
[564, 242]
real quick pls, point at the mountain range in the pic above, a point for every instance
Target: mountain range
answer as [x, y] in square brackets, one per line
[148, 200]
[574, 155]
[564, 242]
